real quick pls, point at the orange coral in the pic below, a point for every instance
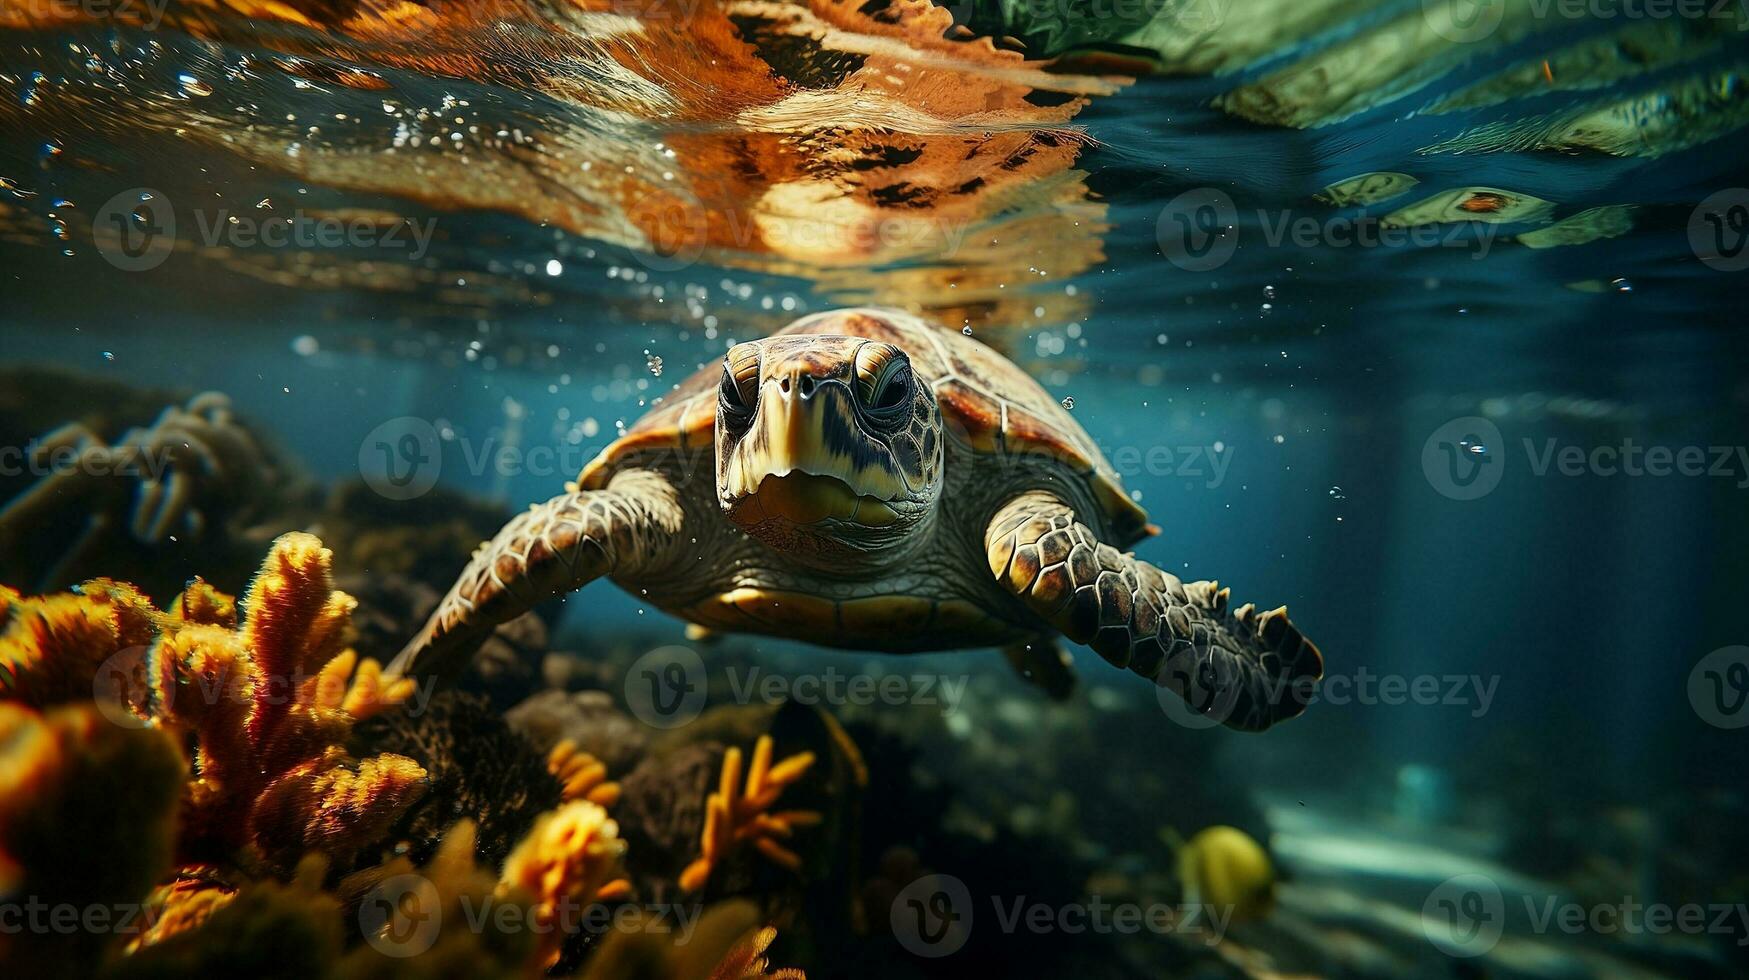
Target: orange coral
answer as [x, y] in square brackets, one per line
[747, 960]
[583, 776]
[53, 646]
[182, 905]
[87, 818]
[733, 816]
[569, 855]
[265, 705]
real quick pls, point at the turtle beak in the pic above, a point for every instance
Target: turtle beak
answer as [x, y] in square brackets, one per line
[806, 457]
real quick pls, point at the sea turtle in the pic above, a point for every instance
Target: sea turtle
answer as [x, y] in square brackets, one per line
[864, 479]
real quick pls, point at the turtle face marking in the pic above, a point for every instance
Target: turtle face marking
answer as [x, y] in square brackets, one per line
[825, 444]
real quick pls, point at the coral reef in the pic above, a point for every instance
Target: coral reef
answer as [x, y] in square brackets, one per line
[110, 489]
[69, 779]
[569, 856]
[475, 765]
[590, 719]
[582, 776]
[747, 960]
[735, 815]
[262, 695]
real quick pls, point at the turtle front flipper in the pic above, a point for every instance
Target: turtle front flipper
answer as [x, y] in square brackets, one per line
[1245, 669]
[548, 550]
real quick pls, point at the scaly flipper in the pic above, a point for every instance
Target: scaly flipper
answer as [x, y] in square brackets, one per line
[1242, 668]
[548, 550]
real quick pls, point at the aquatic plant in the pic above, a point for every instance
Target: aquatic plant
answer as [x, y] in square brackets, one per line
[747, 960]
[263, 696]
[570, 855]
[734, 815]
[583, 776]
[73, 788]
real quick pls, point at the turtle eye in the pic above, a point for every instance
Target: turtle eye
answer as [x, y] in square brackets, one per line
[883, 378]
[731, 396]
[893, 393]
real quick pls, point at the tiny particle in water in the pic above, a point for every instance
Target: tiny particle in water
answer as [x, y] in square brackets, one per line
[967, 330]
[1622, 285]
[1268, 292]
[653, 362]
[1069, 402]
[1337, 494]
[194, 85]
[109, 355]
[554, 267]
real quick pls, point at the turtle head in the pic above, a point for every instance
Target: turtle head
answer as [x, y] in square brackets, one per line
[827, 446]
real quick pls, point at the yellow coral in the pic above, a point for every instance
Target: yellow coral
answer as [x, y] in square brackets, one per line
[53, 646]
[182, 905]
[747, 960]
[733, 815]
[266, 705]
[582, 776]
[87, 819]
[569, 855]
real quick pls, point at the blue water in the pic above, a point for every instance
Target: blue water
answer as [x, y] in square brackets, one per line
[1272, 414]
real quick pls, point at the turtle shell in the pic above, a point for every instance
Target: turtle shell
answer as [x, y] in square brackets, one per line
[987, 404]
